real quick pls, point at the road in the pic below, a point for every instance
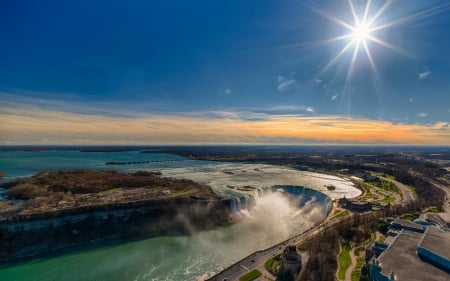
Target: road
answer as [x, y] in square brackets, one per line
[408, 196]
[446, 214]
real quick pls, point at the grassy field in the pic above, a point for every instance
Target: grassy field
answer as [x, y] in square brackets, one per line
[388, 199]
[341, 213]
[356, 274]
[272, 264]
[344, 260]
[409, 217]
[252, 275]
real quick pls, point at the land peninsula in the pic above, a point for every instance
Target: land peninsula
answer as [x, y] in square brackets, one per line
[51, 211]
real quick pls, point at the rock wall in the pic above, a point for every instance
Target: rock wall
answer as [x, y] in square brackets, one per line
[28, 236]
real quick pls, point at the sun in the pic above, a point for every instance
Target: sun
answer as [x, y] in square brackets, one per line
[361, 33]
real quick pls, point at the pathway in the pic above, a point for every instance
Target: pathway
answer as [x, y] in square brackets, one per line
[408, 197]
[348, 273]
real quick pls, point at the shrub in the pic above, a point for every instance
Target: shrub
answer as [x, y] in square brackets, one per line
[27, 191]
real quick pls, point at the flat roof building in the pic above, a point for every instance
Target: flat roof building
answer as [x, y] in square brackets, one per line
[413, 255]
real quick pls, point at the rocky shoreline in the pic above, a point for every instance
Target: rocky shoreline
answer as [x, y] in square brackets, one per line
[26, 237]
[53, 211]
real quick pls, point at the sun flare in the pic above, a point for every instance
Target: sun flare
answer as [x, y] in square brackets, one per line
[361, 33]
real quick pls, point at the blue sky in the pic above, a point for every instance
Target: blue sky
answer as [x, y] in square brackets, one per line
[248, 61]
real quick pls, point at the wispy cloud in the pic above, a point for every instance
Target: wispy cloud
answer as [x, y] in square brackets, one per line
[251, 113]
[422, 114]
[334, 97]
[228, 91]
[32, 125]
[411, 99]
[68, 103]
[286, 83]
[424, 75]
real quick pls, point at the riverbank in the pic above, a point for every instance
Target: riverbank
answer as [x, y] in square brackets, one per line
[60, 210]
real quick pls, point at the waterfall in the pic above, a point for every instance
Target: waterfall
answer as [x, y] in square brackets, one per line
[244, 202]
[234, 208]
[256, 194]
[260, 191]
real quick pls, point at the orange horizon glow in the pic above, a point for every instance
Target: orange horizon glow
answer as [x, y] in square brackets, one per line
[37, 126]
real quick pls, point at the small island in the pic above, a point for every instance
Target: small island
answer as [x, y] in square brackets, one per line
[56, 210]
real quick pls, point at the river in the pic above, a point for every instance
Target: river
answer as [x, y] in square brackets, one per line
[283, 208]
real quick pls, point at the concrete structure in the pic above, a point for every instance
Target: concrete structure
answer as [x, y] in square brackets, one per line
[417, 252]
[291, 264]
[354, 205]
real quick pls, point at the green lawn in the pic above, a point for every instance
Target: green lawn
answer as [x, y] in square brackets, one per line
[407, 217]
[388, 199]
[342, 214]
[344, 260]
[435, 210]
[252, 275]
[356, 274]
[389, 186]
[272, 264]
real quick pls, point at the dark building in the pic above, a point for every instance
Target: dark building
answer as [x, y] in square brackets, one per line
[291, 264]
[354, 205]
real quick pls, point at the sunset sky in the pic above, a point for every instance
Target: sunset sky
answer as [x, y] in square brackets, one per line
[225, 72]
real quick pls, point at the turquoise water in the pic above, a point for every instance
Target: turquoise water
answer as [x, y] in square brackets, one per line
[25, 163]
[273, 219]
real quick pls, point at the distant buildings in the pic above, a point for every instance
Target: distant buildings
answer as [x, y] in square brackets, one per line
[368, 177]
[411, 252]
[354, 205]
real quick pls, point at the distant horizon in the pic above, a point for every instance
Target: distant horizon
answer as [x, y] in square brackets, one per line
[144, 146]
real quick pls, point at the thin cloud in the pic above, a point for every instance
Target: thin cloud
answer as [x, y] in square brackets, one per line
[422, 114]
[286, 84]
[228, 91]
[252, 113]
[411, 100]
[424, 75]
[334, 97]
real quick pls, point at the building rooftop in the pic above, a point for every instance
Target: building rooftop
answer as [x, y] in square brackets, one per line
[398, 223]
[402, 259]
[437, 241]
[415, 253]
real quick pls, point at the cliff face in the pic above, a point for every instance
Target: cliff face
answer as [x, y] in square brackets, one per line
[34, 235]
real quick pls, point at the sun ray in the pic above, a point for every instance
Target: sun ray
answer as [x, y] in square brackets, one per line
[366, 11]
[390, 46]
[315, 43]
[332, 18]
[379, 12]
[416, 16]
[337, 57]
[371, 61]
[355, 53]
[355, 16]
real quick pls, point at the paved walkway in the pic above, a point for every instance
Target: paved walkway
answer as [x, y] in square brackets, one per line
[348, 273]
